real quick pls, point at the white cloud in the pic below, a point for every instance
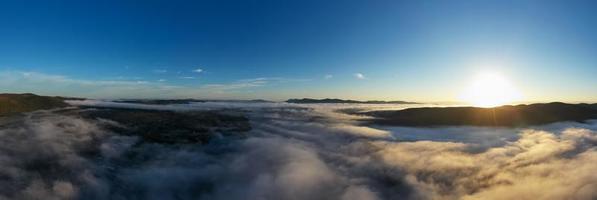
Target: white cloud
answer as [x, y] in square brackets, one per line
[159, 71]
[520, 169]
[49, 84]
[328, 76]
[250, 83]
[295, 153]
[240, 84]
[359, 76]
[198, 70]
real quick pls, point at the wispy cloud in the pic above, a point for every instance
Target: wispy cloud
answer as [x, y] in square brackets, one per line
[244, 83]
[328, 76]
[359, 76]
[159, 71]
[187, 77]
[14, 81]
[49, 84]
[198, 70]
[127, 78]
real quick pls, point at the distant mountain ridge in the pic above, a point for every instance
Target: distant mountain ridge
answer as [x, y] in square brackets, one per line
[184, 101]
[507, 116]
[159, 101]
[18, 103]
[328, 100]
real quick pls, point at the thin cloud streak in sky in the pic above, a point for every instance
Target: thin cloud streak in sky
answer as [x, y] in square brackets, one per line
[359, 76]
[49, 84]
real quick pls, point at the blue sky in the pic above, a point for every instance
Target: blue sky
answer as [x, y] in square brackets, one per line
[403, 50]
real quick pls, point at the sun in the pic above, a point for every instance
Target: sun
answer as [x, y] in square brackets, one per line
[490, 89]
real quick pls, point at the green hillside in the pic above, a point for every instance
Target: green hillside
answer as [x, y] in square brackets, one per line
[17, 103]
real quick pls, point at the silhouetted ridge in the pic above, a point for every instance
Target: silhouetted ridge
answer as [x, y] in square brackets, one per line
[184, 101]
[307, 100]
[511, 116]
[159, 101]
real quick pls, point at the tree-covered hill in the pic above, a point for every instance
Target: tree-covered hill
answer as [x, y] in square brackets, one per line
[17, 103]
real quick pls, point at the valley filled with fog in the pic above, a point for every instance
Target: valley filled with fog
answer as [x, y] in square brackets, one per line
[291, 151]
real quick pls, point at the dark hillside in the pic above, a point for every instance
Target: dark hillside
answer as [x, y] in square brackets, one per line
[511, 116]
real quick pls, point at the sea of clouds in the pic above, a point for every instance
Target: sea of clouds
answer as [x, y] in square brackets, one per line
[295, 152]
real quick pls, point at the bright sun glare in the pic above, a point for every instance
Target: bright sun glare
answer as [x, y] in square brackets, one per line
[490, 90]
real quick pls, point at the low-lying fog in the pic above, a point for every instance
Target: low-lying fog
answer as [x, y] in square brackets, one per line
[295, 152]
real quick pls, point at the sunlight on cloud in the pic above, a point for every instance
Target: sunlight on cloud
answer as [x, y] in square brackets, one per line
[522, 169]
